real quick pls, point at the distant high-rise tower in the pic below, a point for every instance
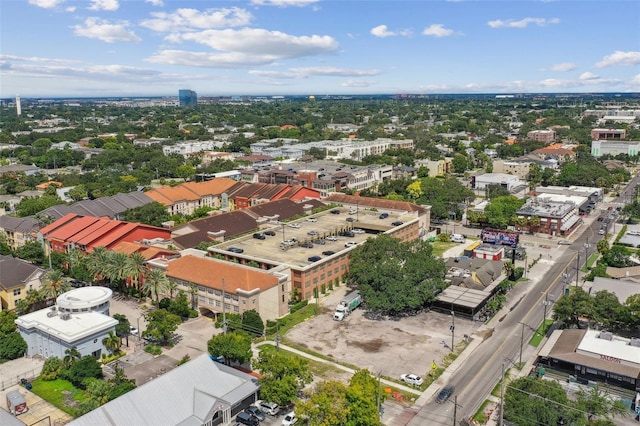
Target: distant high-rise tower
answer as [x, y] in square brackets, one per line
[188, 98]
[18, 106]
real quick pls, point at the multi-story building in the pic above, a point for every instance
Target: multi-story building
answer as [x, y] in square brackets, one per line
[16, 277]
[187, 98]
[18, 230]
[551, 214]
[613, 148]
[511, 167]
[80, 319]
[546, 136]
[608, 134]
[186, 148]
[436, 167]
[505, 180]
[85, 233]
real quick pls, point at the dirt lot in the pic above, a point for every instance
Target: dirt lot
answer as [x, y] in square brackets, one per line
[391, 347]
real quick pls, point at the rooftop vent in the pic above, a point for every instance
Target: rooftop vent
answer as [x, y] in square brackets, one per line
[606, 335]
[65, 316]
[635, 342]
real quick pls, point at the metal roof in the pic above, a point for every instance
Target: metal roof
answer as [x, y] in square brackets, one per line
[187, 395]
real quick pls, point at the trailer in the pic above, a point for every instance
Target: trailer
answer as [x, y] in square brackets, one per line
[350, 302]
[16, 404]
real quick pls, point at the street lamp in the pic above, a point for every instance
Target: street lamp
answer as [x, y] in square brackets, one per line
[501, 422]
[546, 302]
[452, 328]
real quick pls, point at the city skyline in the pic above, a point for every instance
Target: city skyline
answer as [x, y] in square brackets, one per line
[102, 48]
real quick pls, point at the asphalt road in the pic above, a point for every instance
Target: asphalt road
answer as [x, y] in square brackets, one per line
[475, 379]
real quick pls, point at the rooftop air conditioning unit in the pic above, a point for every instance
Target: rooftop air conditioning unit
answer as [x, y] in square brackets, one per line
[606, 335]
[635, 342]
[65, 316]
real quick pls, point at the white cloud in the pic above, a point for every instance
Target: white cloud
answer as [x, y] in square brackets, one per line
[620, 58]
[437, 30]
[283, 3]
[382, 31]
[246, 47]
[109, 5]
[105, 31]
[523, 23]
[636, 79]
[70, 9]
[46, 4]
[563, 67]
[589, 76]
[158, 3]
[189, 19]
[357, 83]
[306, 72]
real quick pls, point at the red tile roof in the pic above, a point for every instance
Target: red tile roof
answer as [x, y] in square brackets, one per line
[210, 273]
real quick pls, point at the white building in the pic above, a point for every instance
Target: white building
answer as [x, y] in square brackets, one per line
[505, 180]
[80, 319]
[184, 148]
[604, 147]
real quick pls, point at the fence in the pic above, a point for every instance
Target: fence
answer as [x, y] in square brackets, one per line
[30, 375]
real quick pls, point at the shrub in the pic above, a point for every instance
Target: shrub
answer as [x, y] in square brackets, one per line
[51, 368]
[164, 303]
[153, 349]
[293, 309]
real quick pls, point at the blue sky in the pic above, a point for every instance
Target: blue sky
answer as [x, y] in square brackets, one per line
[316, 47]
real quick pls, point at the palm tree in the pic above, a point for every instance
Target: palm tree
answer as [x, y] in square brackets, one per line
[156, 283]
[171, 287]
[54, 284]
[117, 268]
[135, 269]
[70, 356]
[97, 263]
[111, 342]
[193, 291]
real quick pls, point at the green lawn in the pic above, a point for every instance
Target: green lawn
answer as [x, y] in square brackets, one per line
[291, 320]
[439, 247]
[60, 393]
[539, 334]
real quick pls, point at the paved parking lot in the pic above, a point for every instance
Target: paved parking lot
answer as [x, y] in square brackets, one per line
[391, 347]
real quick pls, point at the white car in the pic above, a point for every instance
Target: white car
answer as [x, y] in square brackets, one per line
[601, 232]
[312, 219]
[133, 330]
[331, 238]
[350, 244]
[289, 419]
[412, 379]
[357, 231]
[294, 225]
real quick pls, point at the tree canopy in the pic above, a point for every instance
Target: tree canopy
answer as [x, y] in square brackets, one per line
[234, 346]
[395, 277]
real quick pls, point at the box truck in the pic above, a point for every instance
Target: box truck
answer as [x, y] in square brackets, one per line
[347, 305]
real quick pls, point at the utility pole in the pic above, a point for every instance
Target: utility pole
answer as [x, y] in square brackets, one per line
[452, 328]
[545, 303]
[378, 397]
[577, 268]
[521, 343]
[501, 421]
[224, 311]
[277, 335]
[455, 409]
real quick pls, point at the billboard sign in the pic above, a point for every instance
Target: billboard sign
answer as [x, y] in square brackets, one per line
[500, 237]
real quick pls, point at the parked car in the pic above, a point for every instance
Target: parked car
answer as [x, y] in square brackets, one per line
[314, 258]
[350, 244]
[235, 250]
[331, 238]
[255, 412]
[412, 379]
[290, 419]
[384, 215]
[347, 233]
[601, 231]
[353, 211]
[294, 225]
[307, 244]
[335, 211]
[133, 330]
[245, 418]
[358, 231]
[270, 233]
[397, 223]
[270, 408]
[312, 219]
[564, 242]
[350, 219]
[328, 253]
[312, 233]
[320, 241]
[444, 394]
[259, 236]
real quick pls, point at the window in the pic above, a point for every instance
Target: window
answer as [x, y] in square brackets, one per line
[236, 309]
[16, 291]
